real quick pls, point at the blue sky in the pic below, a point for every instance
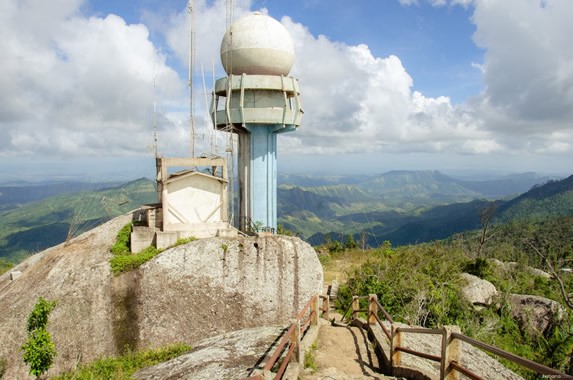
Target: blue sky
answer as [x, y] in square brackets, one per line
[452, 85]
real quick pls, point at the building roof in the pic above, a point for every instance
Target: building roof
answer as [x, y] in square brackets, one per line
[189, 173]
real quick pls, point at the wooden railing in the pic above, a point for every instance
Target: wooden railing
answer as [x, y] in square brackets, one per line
[451, 350]
[291, 340]
[450, 358]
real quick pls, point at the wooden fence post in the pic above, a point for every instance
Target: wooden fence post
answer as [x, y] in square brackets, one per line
[295, 339]
[355, 307]
[372, 308]
[314, 310]
[326, 307]
[451, 352]
[395, 357]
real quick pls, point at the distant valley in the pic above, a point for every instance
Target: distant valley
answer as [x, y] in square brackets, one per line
[404, 207]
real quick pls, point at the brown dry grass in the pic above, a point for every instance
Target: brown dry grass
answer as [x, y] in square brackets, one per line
[339, 265]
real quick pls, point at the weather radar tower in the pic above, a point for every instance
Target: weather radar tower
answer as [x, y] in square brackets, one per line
[257, 100]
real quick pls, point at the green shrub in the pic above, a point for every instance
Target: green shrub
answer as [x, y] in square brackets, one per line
[39, 350]
[3, 366]
[126, 365]
[5, 266]
[123, 260]
[125, 263]
[350, 243]
[479, 267]
[38, 317]
[182, 241]
[122, 241]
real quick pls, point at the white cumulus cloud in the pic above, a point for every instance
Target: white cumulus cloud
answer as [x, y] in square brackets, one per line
[75, 85]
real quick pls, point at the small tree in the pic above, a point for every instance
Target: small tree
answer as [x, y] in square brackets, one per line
[39, 350]
[350, 242]
[486, 215]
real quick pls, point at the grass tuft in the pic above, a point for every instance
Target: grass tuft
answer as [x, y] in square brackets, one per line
[125, 366]
[310, 358]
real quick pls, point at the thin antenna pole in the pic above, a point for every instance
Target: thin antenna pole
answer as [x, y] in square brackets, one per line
[229, 127]
[191, 62]
[207, 107]
[215, 104]
[154, 112]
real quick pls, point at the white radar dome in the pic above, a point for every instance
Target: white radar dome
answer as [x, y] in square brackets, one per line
[257, 45]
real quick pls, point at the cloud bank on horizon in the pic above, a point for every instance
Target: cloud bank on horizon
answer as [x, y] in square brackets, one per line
[78, 83]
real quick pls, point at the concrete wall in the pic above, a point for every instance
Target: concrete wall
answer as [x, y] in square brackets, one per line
[192, 199]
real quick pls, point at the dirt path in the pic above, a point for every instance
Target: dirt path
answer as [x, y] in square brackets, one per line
[343, 352]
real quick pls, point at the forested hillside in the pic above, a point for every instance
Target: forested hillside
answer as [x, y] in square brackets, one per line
[423, 285]
[33, 226]
[549, 200]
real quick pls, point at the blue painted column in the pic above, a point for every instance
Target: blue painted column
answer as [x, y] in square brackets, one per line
[263, 175]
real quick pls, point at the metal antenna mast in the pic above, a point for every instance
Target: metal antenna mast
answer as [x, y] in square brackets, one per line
[230, 143]
[191, 9]
[154, 112]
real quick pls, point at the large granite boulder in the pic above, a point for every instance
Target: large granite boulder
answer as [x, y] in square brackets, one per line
[228, 356]
[536, 315]
[477, 291]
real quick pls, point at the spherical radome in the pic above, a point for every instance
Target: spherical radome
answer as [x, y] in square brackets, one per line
[257, 45]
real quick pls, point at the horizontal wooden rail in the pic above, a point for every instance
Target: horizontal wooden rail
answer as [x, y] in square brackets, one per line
[381, 308]
[280, 348]
[307, 317]
[464, 371]
[450, 350]
[539, 368]
[305, 308]
[386, 332]
[285, 362]
[424, 355]
[419, 330]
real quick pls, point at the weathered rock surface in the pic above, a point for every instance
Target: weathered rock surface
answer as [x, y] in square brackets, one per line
[535, 314]
[478, 291]
[212, 286]
[512, 265]
[77, 275]
[227, 356]
[185, 294]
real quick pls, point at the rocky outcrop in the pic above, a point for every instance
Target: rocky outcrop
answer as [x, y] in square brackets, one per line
[537, 315]
[479, 292]
[77, 276]
[186, 294]
[512, 265]
[227, 356]
[212, 286]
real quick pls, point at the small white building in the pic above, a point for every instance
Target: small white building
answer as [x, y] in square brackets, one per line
[192, 203]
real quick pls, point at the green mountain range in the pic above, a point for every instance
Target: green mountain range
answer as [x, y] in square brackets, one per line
[403, 207]
[550, 200]
[28, 225]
